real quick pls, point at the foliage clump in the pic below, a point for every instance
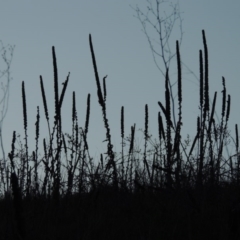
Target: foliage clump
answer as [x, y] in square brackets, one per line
[123, 196]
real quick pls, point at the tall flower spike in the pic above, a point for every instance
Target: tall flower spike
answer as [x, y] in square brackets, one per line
[99, 91]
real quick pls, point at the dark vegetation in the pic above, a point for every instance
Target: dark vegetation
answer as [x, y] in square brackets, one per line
[167, 194]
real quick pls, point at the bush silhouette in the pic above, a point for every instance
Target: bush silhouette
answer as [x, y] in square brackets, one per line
[167, 194]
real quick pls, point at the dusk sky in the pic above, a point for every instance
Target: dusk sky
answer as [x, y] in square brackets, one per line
[122, 52]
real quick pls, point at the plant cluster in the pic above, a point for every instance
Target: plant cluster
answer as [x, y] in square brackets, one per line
[145, 197]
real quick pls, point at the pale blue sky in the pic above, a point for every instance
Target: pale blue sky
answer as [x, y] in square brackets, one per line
[122, 53]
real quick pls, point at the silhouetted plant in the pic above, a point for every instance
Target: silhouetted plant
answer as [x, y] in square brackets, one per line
[151, 188]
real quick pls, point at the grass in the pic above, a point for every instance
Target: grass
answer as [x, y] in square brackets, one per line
[166, 193]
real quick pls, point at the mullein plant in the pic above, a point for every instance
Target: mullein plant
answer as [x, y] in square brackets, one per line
[102, 101]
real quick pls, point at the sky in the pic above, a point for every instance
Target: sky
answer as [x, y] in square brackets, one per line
[122, 52]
